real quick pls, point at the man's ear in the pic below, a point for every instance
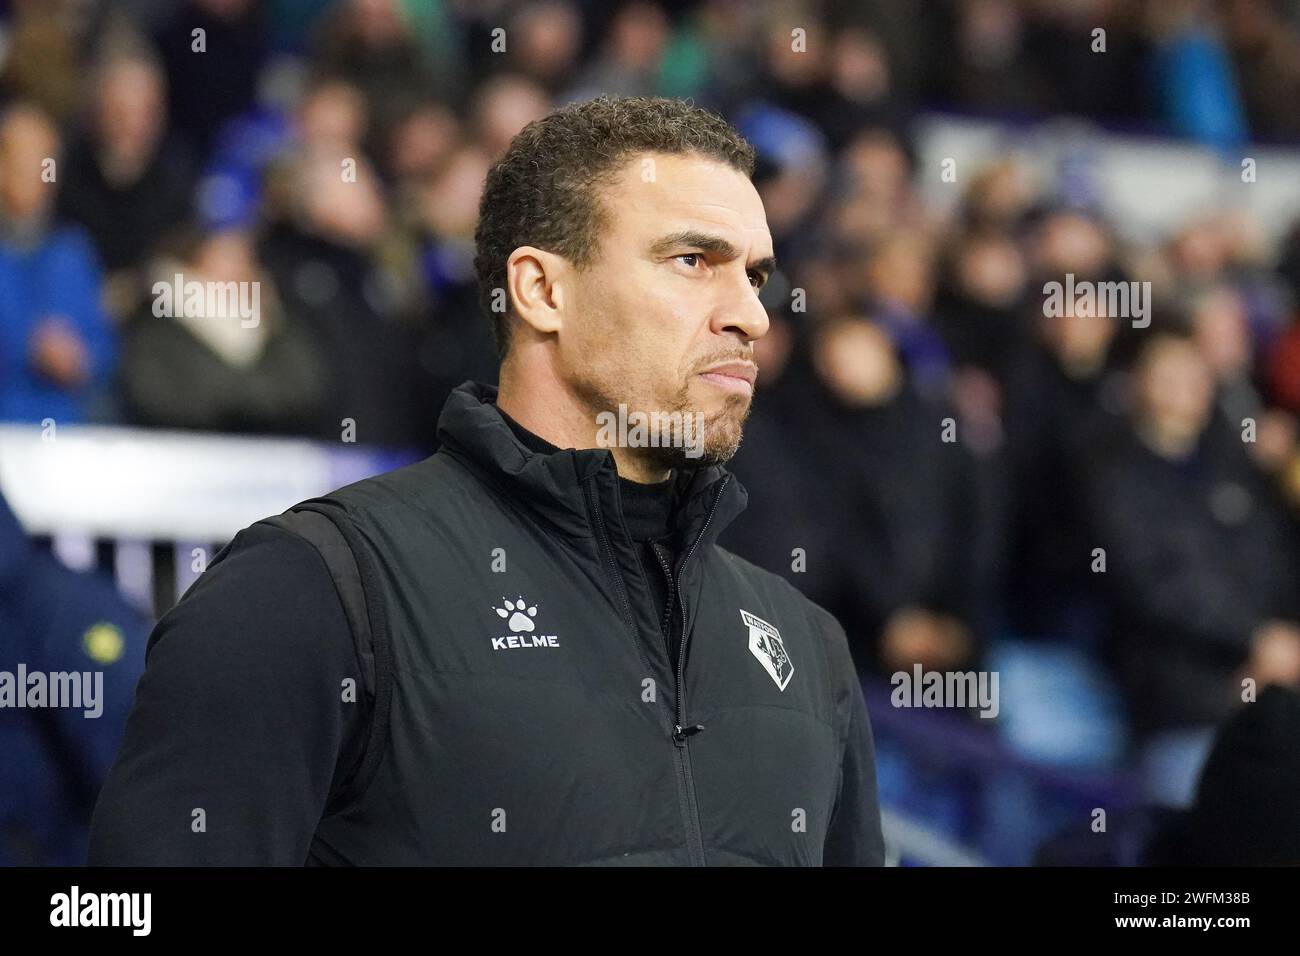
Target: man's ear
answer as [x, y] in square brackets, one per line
[535, 281]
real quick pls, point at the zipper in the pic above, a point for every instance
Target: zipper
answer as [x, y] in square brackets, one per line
[625, 603]
[685, 786]
[665, 624]
[686, 790]
[685, 794]
[681, 650]
[681, 734]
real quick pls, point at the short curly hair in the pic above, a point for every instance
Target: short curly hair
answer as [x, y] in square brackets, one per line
[543, 191]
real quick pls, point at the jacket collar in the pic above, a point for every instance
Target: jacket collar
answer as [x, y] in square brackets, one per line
[556, 486]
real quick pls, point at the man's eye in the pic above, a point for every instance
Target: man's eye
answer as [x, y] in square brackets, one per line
[756, 278]
[689, 255]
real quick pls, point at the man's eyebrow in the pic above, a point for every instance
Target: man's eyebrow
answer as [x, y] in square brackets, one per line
[707, 242]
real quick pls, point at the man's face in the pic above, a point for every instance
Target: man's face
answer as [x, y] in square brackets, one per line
[131, 107]
[27, 141]
[1176, 388]
[672, 295]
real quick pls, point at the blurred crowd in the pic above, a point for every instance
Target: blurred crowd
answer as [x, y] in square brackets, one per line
[969, 482]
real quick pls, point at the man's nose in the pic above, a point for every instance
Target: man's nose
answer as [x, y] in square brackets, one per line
[743, 313]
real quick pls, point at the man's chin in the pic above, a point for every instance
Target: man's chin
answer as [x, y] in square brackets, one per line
[704, 440]
[722, 430]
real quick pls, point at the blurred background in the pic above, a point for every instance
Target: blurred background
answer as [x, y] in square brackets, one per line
[1102, 512]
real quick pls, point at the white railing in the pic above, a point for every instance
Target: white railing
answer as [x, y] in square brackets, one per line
[137, 492]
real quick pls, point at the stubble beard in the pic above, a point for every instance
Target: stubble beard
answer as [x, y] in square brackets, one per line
[721, 431]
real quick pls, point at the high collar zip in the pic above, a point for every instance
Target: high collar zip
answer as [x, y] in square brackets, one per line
[553, 486]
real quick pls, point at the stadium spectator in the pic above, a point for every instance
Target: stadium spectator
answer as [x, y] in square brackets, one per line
[782, 528]
[57, 621]
[1245, 812]
[1201, 564]
[246, 179]
[546, 39]
[226, 371]
[41, 60]
[371, 44]
[56, 346]
[1196, 91]
[213, 52]
[630, 56]
[456, 342]
[980, 299]
[421, 143]
[121, 181]
[327, 262]
[503, 105]
[1061, 399]
[877, 442]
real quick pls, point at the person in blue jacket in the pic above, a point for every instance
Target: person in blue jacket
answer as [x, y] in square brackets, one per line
[57, 621]
[56, 343]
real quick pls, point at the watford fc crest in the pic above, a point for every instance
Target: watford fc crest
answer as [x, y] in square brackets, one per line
[765, 644]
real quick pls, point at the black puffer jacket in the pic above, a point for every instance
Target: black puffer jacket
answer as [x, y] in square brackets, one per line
[526, 710]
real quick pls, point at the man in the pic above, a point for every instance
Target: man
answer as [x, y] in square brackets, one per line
[123, 183]
[58, 627]
[566, 668]
[1202, 565]
[56, 344]
[327, 263]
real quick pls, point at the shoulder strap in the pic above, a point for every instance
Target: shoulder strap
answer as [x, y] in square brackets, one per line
[327, 527]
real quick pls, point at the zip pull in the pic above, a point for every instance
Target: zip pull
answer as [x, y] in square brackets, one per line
[680, 734]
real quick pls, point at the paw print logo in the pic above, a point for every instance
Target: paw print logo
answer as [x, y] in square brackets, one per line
[521, 620]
